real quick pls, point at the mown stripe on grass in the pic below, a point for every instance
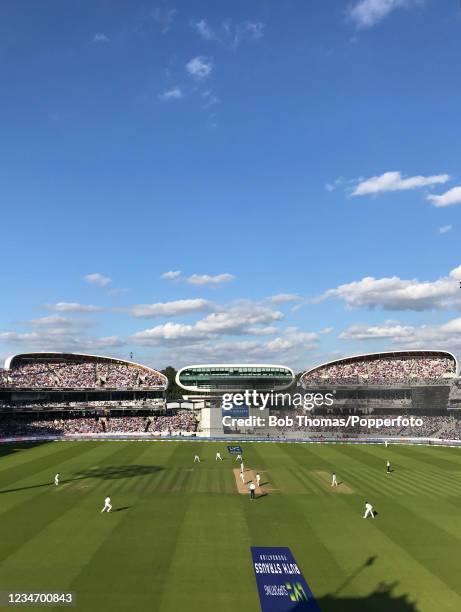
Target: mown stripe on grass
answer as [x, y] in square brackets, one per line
[28, 518]
[139, 551]
[370, 557]
[425, 540]
[57, 454]
[211, 567]
[430, 456]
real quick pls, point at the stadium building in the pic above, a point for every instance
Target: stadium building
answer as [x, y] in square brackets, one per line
[70, 381]
[221, 378]
[396, 381]
[208, 382]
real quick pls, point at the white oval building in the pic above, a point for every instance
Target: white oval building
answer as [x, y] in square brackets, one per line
[234, 377]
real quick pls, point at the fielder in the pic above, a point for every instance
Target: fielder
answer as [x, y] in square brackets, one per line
[386, 443]
[368, 510]
[107, 505]
[388, 466]
[56, 479]
[196, 459]
[334, 482]
[218, 457]
[258, 480]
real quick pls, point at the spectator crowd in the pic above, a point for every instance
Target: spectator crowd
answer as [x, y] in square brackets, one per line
[80, 375]
[181, 422]
[382, 370]
[442, 427]
[139, 404]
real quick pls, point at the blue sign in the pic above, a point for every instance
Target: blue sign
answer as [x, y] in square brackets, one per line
[237, 412]
[235, 450]
[281, 585]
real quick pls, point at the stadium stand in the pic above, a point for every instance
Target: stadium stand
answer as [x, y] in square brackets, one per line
[435, 426]
[41, 382]
[384, 368]
[82, 376]
[181, 422]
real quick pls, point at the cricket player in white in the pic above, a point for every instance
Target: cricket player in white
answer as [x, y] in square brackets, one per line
[368, 510]
[258, 479]
[107, 505]
[218, 457]
[196, 458]
[56, 479]
[242, 477]
[388, 466]
[386, 443]
[239, 458]
[242, 467]
[334, 482]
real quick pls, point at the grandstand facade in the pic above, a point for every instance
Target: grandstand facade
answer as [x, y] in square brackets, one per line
[65, 381]
[419, 380]
[220, 378]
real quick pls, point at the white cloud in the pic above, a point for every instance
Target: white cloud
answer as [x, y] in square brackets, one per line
[394, 293]
[168, 331]
[101, 38]
[203, 29]
[171, 275]
[237, 319]
[73, 307]
[200, 67]
[367, 13]
[247, 31]
[393, 181]
[281, 298]
[175, 93]
[253, 30]
[60, 322]
[445, 228]
[182, 345]
[446, 336]
[390, 329]
[229, 33]
[170, 309]
[59, 339]
[98, 279]
[206, 279]
[450, 197]
[240, 319]
[269, 330]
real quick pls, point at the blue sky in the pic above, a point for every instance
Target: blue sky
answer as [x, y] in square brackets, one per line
[294, 166]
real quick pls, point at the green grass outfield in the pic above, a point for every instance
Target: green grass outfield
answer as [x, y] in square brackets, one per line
[180, 534]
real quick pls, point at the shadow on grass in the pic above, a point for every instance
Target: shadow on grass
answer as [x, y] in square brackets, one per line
[381, 600]
[117, 471]
[8, 448]
[121, 509]
[107, 473]
[261, 495]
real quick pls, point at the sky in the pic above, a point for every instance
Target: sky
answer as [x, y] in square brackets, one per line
[210, 182]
